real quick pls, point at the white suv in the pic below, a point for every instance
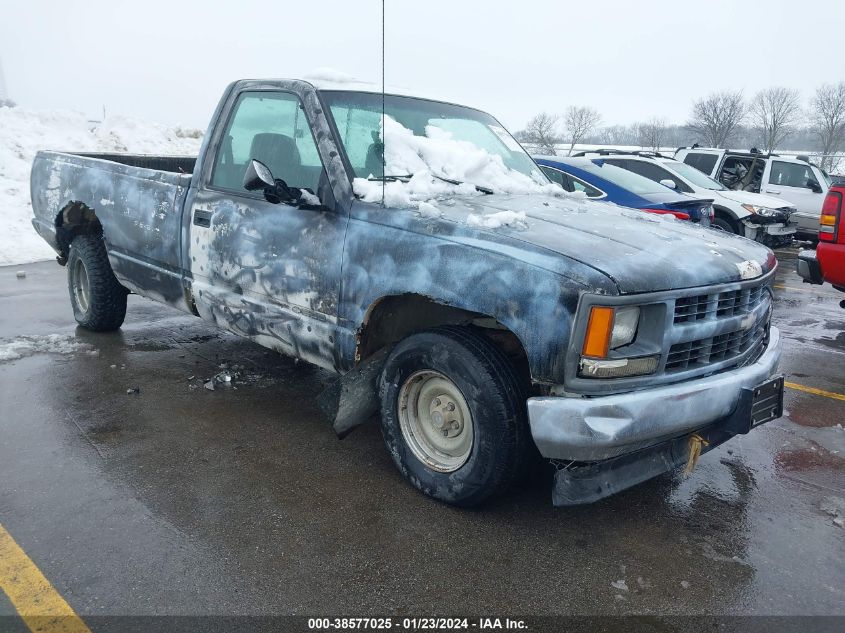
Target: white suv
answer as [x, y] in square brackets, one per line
[765, 219]
[792, 178]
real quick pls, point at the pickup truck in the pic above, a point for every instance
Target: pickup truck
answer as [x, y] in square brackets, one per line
[420, 254]
[794, 179]
[827, 262]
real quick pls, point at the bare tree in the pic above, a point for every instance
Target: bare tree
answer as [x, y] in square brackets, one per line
[774, 112]
[579, 122]
[716, 117]
[652, 133]
[542, 132]
[827, 114]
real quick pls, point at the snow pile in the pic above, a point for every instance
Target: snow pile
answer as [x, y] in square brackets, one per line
[13, 349]
[431, 158]
[496, 220]
[23, 132]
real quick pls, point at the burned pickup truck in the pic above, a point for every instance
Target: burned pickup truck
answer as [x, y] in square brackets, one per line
[487, 315]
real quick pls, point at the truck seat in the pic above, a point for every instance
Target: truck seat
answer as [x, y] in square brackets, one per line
[280, 154]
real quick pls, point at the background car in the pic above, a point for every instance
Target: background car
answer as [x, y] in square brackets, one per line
[827, 262]
[600, 180]
[763, 218]
[793, 178]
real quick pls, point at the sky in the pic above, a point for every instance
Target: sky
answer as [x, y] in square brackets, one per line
[632, 60]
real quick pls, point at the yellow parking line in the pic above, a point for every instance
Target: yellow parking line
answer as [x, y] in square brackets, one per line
[813, 390]
[34, 598]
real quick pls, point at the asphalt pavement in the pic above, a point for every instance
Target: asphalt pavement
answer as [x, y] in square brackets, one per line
[136, 490]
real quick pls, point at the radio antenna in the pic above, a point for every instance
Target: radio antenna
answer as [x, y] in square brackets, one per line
[383, 136]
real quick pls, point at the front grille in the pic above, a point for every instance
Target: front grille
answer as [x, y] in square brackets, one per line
[715, 349]
[722, 304]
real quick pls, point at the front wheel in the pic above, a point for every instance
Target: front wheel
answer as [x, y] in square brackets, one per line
[725, 224]
[453, 415]
[97, 298]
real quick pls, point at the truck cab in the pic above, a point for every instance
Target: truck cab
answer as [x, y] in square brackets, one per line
[792, 178]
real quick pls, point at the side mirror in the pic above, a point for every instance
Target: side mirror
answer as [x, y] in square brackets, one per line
[814, 186]
[668, 182]
[258, 176]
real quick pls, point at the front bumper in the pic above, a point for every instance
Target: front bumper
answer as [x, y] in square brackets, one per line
[809, 268]
[594, 429]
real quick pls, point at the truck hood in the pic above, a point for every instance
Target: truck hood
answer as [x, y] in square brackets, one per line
[638, 251]
[748, 197]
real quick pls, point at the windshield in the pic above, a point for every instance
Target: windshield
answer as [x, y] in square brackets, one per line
[695, 176]
[621, 177]
[446, 136]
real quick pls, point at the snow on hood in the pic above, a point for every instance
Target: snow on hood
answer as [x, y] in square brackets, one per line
[749, 197]
[639, 251]
[431, 158]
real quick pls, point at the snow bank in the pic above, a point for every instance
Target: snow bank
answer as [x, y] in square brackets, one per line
[431, 158]
[23, 132]
[13, 349]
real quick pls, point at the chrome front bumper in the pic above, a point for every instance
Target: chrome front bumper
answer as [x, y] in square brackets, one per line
[593, 429]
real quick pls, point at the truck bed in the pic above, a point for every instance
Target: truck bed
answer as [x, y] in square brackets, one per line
[138, 201]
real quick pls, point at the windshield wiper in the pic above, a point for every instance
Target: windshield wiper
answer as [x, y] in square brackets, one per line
[406, 177]
[392, 178]
[452, 181]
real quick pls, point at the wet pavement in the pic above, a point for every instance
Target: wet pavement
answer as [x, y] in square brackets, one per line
[136, 490]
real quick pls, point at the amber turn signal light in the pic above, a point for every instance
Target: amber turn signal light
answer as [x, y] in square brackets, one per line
[599, 330]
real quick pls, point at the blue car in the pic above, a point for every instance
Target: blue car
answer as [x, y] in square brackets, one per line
[602, 181]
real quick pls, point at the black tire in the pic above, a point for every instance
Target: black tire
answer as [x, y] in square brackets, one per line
[495, 396]
[97, 298]
[725, 224]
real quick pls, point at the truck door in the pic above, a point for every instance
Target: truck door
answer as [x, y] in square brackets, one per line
[267, 271]
[795, 183]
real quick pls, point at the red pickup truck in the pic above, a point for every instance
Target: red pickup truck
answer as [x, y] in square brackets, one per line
[827, 262]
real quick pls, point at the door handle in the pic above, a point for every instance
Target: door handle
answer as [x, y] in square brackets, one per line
[777, 193]
[202, 218]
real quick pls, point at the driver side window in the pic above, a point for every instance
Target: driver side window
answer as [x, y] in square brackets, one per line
[792, 175]
[270, 127]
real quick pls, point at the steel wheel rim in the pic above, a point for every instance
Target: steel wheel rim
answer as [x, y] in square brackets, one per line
[81, 286]
[435, 420]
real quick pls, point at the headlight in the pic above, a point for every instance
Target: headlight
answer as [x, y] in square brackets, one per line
[761, 211]
[609, 328]
[624, 326]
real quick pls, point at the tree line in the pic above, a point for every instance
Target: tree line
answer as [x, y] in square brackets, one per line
[774, 118]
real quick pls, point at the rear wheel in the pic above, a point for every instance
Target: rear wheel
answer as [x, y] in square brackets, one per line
[453, 415]
[97, 298]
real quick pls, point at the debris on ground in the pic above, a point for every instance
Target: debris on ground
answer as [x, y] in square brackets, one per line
[20, 274]
[835, 507]
[685, 584]
[209, 385]
[133, 390]
[620, 584]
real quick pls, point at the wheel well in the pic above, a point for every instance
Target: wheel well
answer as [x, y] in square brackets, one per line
[725, 214]
[76, 218]
[392, 318]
